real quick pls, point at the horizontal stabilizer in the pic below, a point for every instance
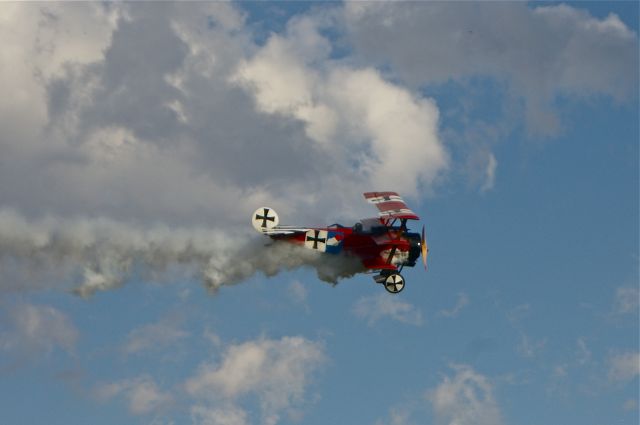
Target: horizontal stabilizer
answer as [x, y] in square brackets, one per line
[284, 230]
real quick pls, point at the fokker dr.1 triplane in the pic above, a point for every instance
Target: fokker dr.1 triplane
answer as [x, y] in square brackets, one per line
[383, 244]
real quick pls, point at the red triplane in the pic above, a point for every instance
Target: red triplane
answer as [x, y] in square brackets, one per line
[379, 243]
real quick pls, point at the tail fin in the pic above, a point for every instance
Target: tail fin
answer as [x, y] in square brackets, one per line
[264, 218]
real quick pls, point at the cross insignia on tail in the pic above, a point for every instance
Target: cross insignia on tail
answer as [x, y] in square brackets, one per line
[265, 217]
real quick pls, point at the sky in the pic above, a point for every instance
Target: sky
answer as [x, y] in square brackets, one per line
[136, 139]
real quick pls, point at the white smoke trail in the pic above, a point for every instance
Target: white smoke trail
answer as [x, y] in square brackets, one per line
[89, 255]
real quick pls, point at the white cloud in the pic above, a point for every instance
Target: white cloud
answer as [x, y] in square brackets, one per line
[397, 416]
[160, 335]
[624, 367]
[560, 371]
[106, 123]
[194, 133]
[529, 347]
[278, 72]
[383, 306]
[518, 313]
[298, 292]
[630, 404]
[277, 372]
[37, 329]
[142, 394]
[461, 302]
[227, 415]
[99, 124]
[103, 123]
[157, 113]
[465, 399]
[539, 52]
[583, 355]
[390, 134]
[37, 43]
[490, 173]
[627, 299]
[559, 380]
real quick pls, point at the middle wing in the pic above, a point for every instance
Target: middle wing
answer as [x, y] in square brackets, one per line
[390, 205]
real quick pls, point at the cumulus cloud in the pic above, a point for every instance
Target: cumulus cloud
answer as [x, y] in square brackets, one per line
[134, 111]
[160, 335]
[518, 313]
[32, 329]
[465, 399]
[630, 404]
[227, 415]
[526, 65]
[583, 354]
[37, 45]
[530, 347]
[135, 128]
[142, 394]
[382, 306]
[298, 293]
[626, 300]
[540, 53]
[490, 173]
[461, 302]
[163, 114]
[390, 134]
[175, 113]
[276, 371]
[624, 367]
[397, 416]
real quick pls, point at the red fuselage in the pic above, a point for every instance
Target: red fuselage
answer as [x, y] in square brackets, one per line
[378, 248]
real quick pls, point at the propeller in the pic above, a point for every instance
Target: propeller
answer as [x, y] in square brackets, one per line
[425, 248]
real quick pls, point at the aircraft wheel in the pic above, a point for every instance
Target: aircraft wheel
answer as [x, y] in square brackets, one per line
[394, 283]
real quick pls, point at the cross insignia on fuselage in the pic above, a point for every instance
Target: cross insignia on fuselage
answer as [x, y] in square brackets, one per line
[316, 239]
[265, 217]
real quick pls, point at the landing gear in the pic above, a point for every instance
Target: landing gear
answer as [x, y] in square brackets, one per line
[394, 283]
[391, 279]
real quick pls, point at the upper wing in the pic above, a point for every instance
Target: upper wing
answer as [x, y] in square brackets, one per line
[390, 205]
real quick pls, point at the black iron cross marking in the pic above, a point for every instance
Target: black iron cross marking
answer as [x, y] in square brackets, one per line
[386, 198]
[316, 239]
[264, 218]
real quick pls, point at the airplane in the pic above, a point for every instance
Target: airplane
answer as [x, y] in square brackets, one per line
[381, 245]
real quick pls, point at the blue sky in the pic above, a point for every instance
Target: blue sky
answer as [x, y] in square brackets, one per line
[137, 140]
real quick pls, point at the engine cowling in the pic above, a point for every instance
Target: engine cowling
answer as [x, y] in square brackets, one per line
[415, 248]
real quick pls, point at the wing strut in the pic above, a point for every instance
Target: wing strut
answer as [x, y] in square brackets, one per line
[391, 254]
